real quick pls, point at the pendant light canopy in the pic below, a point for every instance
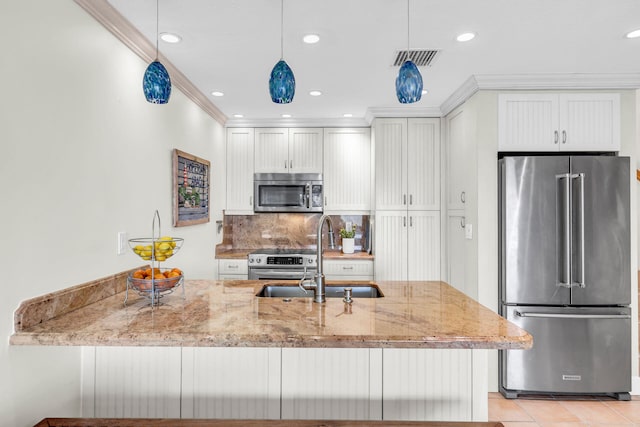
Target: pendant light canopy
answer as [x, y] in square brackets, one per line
[282, 83]
[409, 80]
[156, 82]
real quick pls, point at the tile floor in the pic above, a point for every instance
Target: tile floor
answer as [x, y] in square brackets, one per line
[549, 412]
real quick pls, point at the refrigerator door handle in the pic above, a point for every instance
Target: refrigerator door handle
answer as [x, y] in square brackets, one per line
[565, 280]
[572, 316]
[580, 218]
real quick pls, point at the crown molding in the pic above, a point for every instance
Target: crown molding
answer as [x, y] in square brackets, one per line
[401, 111]
[124, 31]
[292, 122]
[551, 81]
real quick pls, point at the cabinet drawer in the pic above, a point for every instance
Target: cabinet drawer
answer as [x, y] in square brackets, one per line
[348, 268]
[232, 266]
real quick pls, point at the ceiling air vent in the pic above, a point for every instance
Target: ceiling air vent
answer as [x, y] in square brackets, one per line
[420, 57]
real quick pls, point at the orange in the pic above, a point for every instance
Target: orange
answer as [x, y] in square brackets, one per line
[177, 270]
[138, 274]
[171, 274]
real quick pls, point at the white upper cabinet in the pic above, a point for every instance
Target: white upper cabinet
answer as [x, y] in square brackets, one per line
[288, 150]
[240, 142]
[559, 122]
[407, 164]
[347, 170]
[457, 172]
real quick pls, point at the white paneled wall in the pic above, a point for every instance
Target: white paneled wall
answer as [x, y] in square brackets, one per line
[231, 383]
[331, 383]
[427, 384]
[130, 382]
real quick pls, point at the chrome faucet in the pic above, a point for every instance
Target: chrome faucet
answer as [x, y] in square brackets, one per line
[318, 285]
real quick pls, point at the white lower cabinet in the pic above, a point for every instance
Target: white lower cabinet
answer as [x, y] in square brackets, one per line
[427, 384]
[233, 269]
[348, 269]
[231, 382]
[285, 383]
[331, 383]
[131, 382]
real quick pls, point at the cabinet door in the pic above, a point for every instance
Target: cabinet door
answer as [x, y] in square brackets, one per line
[456, 165]
[136, 382]
[240, 171]
[423, 164]
[427, 384]
[347, 170]
[348, 269]
[305, 150]
[590, 122]
[528, 122]
[271, 150]
[391, 163]
[330, 383]
[391, 245]
[456, 250]
[423, 245]
[231, 383]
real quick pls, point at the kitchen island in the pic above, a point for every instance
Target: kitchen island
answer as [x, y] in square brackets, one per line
[417, 353]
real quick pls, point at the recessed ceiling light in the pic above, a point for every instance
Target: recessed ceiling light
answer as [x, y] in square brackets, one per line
[216, 93]
[286, 116]
[311, 38]
[633, 34]
[238, 116]
[465, 37]
[315, 93]
[347, 115]
[170, 37]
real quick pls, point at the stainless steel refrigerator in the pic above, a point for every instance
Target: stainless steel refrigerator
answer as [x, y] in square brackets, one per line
[565, 274]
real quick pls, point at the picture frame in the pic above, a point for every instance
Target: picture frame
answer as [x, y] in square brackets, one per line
[191, 189]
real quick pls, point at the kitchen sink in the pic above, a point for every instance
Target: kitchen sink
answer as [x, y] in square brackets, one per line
[294, 291]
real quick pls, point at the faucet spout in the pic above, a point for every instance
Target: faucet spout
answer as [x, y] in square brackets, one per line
[319, 289]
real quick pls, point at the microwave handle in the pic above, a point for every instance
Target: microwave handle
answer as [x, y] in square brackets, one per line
[308, 191]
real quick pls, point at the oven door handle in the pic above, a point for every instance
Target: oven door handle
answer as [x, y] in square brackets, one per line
[268, 274]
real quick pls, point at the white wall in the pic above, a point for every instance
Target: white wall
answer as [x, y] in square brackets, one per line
[83, 157]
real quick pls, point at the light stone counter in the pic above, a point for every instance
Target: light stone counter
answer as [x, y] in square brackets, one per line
[228, 314]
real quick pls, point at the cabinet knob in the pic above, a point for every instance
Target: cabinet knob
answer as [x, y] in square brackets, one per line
[290, 164]
[463, 197]
[250, 200]
[411, 199]
[555, 136]
[404, 199]
[462, 223]
[564, 136]
[285, 164]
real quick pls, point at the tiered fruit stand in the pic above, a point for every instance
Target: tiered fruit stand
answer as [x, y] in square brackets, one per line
[154, 282]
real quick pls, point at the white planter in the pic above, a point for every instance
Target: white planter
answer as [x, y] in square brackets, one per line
[347, 245]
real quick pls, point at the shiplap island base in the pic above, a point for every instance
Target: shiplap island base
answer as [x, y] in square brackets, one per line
[418, 353]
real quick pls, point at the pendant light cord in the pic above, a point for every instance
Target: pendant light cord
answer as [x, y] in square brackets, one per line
[281, 29]
[408, 34]
[157, 25]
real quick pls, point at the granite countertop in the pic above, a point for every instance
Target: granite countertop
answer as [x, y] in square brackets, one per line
[228, 314]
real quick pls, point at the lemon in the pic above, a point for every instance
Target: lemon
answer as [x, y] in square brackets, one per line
[160, 257]
[146, 258]
[145, 253]
[164, 247]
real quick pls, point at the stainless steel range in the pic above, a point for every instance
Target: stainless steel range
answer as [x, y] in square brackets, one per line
[281, 264]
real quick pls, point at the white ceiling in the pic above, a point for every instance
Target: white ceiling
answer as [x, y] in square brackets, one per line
[232, 45]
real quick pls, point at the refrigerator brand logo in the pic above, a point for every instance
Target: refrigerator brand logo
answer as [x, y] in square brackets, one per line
[572, 378]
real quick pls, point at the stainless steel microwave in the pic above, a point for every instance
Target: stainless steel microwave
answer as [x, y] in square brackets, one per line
[287, 192]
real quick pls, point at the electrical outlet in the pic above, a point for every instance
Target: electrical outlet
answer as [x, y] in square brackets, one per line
[468, 231]
[122, 242]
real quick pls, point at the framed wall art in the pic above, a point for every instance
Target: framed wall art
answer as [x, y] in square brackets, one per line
[191, 192]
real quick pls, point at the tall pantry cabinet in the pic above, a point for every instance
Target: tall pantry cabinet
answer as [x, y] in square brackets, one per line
[407, 198]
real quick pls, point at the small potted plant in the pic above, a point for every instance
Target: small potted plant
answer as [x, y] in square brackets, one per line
[348, 239]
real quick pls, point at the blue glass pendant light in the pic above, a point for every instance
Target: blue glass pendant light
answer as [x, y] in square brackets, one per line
[409, 83]
[156, 82]
[409, 80]
[282, 83]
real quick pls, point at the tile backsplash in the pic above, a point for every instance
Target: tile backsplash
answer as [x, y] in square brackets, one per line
[287, 230]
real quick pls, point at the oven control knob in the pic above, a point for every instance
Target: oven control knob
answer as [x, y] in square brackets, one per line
[250, 260]
[309, 261]
[258, 260]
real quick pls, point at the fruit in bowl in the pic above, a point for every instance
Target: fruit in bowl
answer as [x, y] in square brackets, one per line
[161, 278]
[159, 249]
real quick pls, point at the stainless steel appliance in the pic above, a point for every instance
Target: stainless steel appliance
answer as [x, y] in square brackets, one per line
[287, 192]
[565, 274]
[281, 264]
